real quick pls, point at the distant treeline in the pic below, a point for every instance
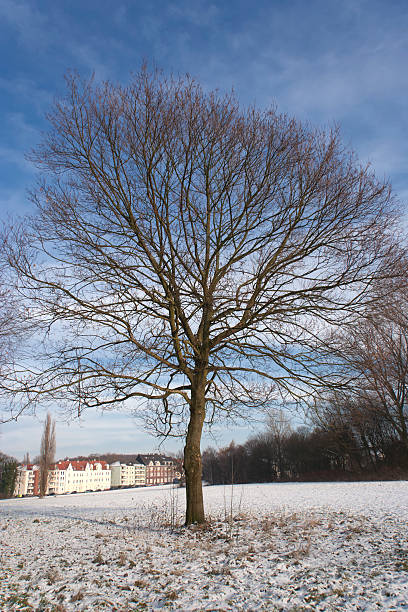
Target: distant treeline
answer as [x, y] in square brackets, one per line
[113, 457]
[307, 455]
[108, 457]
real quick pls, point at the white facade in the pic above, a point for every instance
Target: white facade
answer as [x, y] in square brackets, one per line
[128, 474]
[79, 476]
[27, 480]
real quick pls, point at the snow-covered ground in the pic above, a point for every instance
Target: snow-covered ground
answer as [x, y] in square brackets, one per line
[312, 546]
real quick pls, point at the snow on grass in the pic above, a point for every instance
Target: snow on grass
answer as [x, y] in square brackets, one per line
[325, 546]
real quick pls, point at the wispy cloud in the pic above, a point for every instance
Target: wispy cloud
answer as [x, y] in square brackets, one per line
[319, 61]
[29, 23]
[26, 91]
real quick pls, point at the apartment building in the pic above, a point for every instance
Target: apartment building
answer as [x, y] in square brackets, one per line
[64, 477]
[159, 469]
[71, 476]
[128, 474]
[79, 476]
[27, 480]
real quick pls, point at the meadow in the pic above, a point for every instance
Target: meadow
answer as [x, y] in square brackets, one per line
[289, 547]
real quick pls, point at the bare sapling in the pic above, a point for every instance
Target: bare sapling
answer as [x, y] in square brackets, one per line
[47, 454]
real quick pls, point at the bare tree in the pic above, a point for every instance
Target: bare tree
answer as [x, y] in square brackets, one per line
[47, 453]
[12, 320]
[15, 328]
[359, 429]
[191, 253]
[375, 353]
[279, 429]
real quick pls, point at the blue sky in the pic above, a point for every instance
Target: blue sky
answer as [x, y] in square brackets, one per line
[321, 61]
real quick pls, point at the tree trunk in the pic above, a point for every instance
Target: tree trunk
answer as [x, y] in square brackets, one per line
[192, 455]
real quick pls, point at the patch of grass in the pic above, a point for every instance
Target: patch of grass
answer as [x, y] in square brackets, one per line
[268, 524]
[339, 592]
[140, 605]
[312, 523]
[354, 530]
[122, 559]
[99, 560]
[20, 600]
[78, 596]
[302, 551]
[402, 566]
[314, 596]
[52, 575]
[201, 527]
[44, 604]
[220, 571]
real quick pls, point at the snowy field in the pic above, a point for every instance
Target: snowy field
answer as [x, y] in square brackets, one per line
[326, 546]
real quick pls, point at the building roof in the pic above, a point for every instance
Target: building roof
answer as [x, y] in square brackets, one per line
[129, 464]
[162, 459]
[29, 466]
[81, 466]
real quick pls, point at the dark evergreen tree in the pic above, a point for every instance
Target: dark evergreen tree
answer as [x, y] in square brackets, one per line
[8, 475]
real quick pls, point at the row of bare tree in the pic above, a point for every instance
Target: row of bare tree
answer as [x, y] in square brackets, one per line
[338, 452]
[357, 430]
[191, 258]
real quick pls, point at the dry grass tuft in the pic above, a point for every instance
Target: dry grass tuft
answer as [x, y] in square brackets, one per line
[52, 575]
[78, 596]
[312, 523]
[122, 559]
[268, 524]
[99, 560]
[201, 527]
[302, 551]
